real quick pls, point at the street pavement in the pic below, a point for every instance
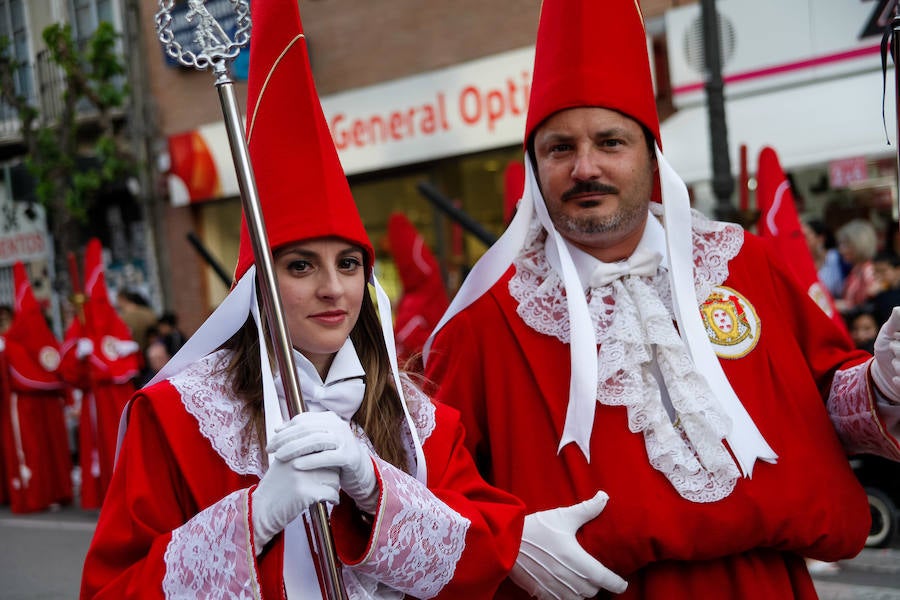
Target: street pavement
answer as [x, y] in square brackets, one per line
[41, 556]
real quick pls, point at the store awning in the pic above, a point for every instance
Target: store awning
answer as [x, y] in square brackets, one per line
[807, 125]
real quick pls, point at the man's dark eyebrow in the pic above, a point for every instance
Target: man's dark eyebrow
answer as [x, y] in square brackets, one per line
[614, 132]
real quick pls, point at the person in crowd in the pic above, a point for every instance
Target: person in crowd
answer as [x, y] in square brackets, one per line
[829, 263]
[650, 360]
[6, 316]
[35, 439]
[212, 483]
[886, 266]
[858, 243]
[423, 298]
[168, 332]
[101, 361]
[863, 326]
[138, 315]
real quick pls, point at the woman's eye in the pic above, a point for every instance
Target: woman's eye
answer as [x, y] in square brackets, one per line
[350, 263]
[299, 266]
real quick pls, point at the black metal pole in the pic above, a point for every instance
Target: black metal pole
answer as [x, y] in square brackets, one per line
[723, 180]
[457, 214]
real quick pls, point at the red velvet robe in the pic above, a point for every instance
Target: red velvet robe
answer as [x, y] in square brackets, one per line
[105, 382]
[168, 472]
[511, 388]
[34, 433]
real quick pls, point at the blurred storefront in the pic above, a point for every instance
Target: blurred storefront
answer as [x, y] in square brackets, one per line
[802, 77]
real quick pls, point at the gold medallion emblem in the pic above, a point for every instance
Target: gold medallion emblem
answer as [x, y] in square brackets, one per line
[731, 322]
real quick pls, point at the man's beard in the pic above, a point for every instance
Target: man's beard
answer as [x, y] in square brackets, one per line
[622, 221]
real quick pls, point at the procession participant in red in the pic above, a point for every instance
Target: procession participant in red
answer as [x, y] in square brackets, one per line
[100, 359]
[779, 225]
[651, 360]
[35, 437]
[423, 299]
[211, 484]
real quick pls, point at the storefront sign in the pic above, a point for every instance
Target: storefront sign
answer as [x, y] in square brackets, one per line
[769, 44]
[23, 234]
[845, 172]
[465, 108]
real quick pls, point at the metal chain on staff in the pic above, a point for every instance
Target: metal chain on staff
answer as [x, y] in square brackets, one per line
[216, 49]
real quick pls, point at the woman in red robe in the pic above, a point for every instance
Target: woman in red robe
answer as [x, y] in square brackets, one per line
[212, 485]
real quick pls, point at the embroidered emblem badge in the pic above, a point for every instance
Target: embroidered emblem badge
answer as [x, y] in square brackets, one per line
[820, 297]
[731, 323]
[48, 358]
[108, 347]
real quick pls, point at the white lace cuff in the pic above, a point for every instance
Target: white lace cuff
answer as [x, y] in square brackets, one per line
[211, 556]
[851, 406]
[417, 539]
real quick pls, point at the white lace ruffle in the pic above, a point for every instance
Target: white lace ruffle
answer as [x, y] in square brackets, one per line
[222, 418]
[633, 324]
[211, 556]
[419, 539]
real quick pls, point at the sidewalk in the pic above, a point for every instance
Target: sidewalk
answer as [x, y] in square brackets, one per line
[873, 575]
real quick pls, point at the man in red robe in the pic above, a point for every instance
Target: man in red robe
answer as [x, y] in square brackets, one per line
[35, 437]
[100, 359]
[624, 366]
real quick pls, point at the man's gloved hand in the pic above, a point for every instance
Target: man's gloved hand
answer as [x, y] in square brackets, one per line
[324, 440]
[284, 492]
[553, 565]
[885, 368]
[84, 348]
[125, 347]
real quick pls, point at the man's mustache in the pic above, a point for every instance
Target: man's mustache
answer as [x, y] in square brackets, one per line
[589, 187]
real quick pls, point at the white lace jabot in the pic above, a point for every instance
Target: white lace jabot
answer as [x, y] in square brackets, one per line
[639, 346]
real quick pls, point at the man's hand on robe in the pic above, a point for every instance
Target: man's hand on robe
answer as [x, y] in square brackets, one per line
[552, 565]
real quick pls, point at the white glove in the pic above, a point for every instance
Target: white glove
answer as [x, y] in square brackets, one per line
[324, 440]
[84, 348]
[553, 565]
[125, 347]
[885, 368]
[285, 492]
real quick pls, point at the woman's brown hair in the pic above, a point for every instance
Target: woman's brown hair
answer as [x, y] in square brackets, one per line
[380, 415]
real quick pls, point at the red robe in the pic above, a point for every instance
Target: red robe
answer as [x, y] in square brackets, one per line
[511, 388]
[34, 432]
[171, 482]
[104, 380]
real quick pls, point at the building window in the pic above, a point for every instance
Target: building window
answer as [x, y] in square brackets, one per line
[14, 28]
[87, 15]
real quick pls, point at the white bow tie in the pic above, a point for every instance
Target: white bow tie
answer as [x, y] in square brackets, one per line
[643, 263]
[342, 397]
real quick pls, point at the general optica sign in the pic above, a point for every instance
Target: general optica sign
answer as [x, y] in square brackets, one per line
[466, 108]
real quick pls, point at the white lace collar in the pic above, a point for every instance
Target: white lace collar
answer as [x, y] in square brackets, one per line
[633, 325]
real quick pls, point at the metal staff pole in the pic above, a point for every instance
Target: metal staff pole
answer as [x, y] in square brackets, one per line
[895, 54]
[217, 51]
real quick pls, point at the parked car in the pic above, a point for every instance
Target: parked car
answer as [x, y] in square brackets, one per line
[881, 479]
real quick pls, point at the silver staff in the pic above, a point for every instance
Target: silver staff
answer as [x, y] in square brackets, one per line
[217, 50]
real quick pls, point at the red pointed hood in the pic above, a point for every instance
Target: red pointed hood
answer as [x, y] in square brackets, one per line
[101, 316]
[779, 224]
[30, 330]
[592, 53]
[302, 187]
[513, 186]
[415, 262]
